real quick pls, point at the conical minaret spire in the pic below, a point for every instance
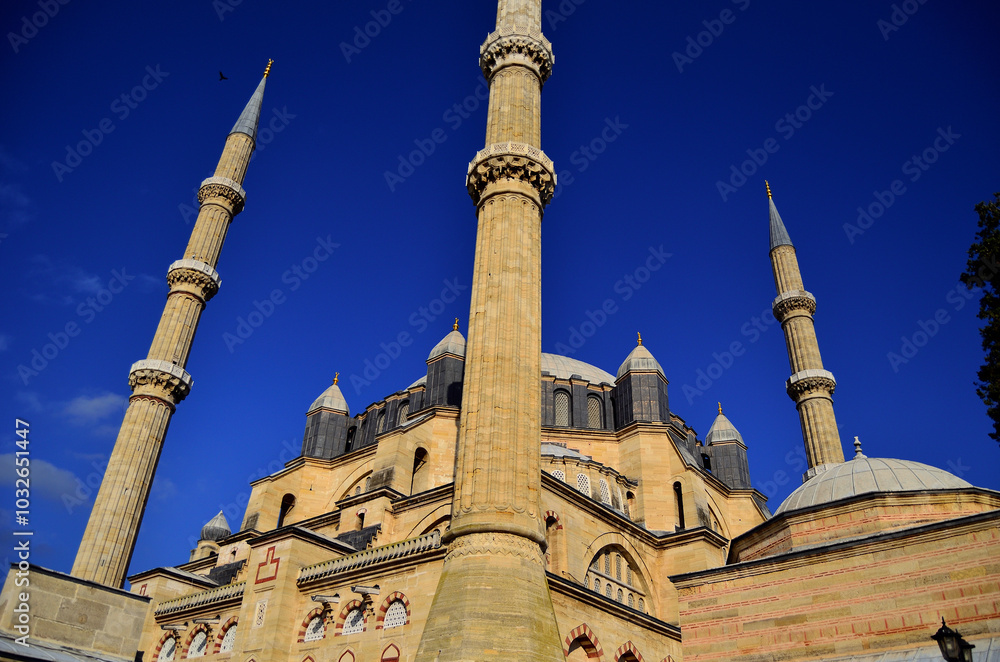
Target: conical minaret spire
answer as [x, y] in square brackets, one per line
[160, 381]
[496, 539]
[810, 386]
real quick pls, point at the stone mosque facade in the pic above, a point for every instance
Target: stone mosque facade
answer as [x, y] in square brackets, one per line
[516, 505]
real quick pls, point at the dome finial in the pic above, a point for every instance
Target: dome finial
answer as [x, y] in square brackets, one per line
[768, 189]
[455, 328]
[640, 338]
[336, 378]
[267, 69]
[720, 409]
[857, 449]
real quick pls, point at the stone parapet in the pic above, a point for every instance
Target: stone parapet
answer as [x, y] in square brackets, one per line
[512, 161]
[787, 302]
[810, 382]
[516, 45]
[195, 277]
[225, 188]
[160, 376]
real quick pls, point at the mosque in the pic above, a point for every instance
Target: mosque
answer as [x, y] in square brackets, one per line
[515, 505]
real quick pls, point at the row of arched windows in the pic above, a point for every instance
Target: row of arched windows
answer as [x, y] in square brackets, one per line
[613, 499]
[612, 575]
[564, 410]
[198, 646]
[402, 412]
[354, 619]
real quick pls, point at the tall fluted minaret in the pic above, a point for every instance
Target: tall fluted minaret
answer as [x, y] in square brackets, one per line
[159, 381]
[810, 386]
[492, 601]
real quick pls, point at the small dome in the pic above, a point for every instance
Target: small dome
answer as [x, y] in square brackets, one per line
[216, 529]
[722, 430]
[332, 399]
[639, 360]
[453, 343]
[864, 475]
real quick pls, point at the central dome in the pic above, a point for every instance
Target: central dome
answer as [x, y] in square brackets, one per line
[864, 475]
[562, 367]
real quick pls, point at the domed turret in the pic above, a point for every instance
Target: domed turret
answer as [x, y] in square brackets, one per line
[327, 423]
[331, 399]
[216, 529]
[445, 371]
[722, 431]
[725, 454]
[640, 392]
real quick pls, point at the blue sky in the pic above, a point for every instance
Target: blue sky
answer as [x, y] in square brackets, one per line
[649, 112]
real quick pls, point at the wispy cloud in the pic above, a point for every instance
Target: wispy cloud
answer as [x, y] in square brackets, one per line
[164, 489]
[29, 400]
[86, 411]
[67, 280]
[47, 480]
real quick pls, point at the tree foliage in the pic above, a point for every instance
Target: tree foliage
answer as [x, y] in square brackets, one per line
[982, 273]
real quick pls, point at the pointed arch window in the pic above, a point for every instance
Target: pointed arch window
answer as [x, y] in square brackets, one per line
[404, 411]
[198, 644]
[595, 406]
[355, 621]
[287, 503]
[562, 409]
[583, 483]
[380, 423]
[620, 580]
[228, 640]
[316, 629]
[605, 493]
[168, 650]
[395, 615]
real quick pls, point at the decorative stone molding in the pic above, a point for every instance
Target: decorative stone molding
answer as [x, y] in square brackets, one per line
[189, 274]
[786, 302]
[223, 187]
[512, 161]
[202, 599]
[368, 557]
[516, 45]
[495, 544]
[808, 382]
[173, 379]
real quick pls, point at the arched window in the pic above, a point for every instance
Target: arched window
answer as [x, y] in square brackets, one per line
[168, 650]
[287, 503]
[620, 597]
[368, 483]
[559, 475]
[420, 481]
[631, 601]
[390, 654]
[395, 615]
[562, 409]
[628, 575]
[594, 406]
[228, 640]
[642, 607]
[357, 490]
[607, 591]
[706, 462]
[620, 581]
[583, 483]
[380, 423]
[198, 644]
[404, 411]
[605, 492]
[629, 504]
[316, 629]
[679, 505]
[597, 585]
[616, 498]
[607, 564]
[618, 567]
[351, 432]
[355, 621]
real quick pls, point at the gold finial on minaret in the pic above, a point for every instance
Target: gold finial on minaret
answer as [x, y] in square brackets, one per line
[768, 189]
[640, 337]
[455, 327]
[336, 378]
[267, 69]
[720, 409]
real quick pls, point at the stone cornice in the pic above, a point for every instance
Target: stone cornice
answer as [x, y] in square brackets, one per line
[210, 598]
[511, 161]
[607, 605]
[516, 46]
[225, 188]
[375, 557]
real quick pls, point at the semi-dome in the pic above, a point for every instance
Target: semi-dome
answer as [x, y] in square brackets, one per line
[331, 399]
[864, 475]
[722, 430]
[639, 360]
[216, 529]
[453, 343]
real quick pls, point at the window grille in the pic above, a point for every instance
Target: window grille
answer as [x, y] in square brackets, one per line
[583, 483]
[404, 411]
[607, 591]
[168, 650]
[641, 607]
[315, 630]
[395, 616]
[380, 423]
[355, 622]
[620, 596]
[562, 408]
[228, 640]
[618, 567]
[631, 601]
[607, 564]
[605, 492]
[558, 475]
[594, 412]
[198, 645]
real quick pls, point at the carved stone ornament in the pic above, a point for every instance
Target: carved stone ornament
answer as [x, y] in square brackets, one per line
[516, 45]
[809, 382]
[163, 375]
[222, 187]
[795, 300]
[194, 272]
[495, 544]
[512, 161]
